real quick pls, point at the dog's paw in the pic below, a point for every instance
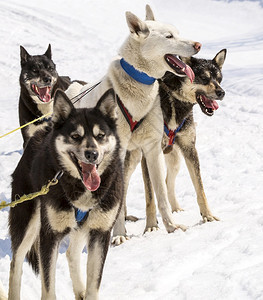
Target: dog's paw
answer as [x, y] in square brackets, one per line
[131, 218]
[209, 218]
[151, 229]
[119, 239]
[172, 227]
[177, 209]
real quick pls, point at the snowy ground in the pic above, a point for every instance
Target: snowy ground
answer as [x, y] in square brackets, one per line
[219, 260]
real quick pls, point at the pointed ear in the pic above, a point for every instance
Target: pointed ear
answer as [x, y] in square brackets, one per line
[136, 26]
[107, 104]
[24, 56]
[220, 57]
[48, 53]
[149, 13]
[62, 107]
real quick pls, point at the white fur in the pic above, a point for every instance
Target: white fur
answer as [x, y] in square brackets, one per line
[144, 48]
[18, 258]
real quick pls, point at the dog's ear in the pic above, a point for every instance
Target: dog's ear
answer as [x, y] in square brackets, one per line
[24, 56]
[48, 53]
[62, 107]
[107, 104]
[149, 13]
[220, 57]
[137, 27]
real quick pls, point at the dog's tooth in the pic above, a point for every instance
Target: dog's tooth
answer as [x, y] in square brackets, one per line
[183, 69]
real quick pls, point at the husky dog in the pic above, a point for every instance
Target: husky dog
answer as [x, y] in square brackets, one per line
[38, 82]
[151, 49]
[178, 96]
[83, 144]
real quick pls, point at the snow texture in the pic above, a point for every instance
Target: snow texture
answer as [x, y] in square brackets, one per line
[218, 260]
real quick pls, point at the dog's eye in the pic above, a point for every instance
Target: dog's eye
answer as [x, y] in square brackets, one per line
[169, 36]
[205, 79]
[50, 69]
[100, 136]
[34, 70]
[76, 137]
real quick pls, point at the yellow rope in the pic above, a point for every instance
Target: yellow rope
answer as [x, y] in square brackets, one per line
[26, 124]
[44, 190]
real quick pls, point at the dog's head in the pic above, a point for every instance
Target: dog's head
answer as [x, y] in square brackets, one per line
[205, 89]
[154, 47]
[85, 139]
[38, 75]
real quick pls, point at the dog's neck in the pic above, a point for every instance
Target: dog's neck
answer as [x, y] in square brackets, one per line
[173, 108]
[136, 74]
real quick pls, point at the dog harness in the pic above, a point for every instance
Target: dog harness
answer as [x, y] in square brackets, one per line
[81, 216]
[133, 124]
[172, 133]
[43, 120]
[135, 74]
[140, 77]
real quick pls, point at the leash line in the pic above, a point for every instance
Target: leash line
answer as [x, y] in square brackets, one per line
[31, 122]
[79, 96]
[44, 190]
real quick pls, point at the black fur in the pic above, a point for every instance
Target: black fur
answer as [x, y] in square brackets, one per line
[42, 160]
[40, 69]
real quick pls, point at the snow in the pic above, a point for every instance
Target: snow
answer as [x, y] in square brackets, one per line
[218, 260]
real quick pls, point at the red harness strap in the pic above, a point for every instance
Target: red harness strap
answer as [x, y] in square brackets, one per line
[133, 124]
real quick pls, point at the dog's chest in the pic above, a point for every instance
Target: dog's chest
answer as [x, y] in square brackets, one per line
[86, 201]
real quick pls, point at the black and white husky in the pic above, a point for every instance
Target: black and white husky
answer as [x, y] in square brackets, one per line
[151, 49]
[83, 144]
[178, 97]
[39, 81]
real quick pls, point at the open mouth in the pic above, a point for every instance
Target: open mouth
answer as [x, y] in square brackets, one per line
[43, 93]
[88, 173]
[208, 106]
[179, 67]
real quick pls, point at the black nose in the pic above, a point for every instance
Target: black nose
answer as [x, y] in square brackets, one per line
[91, 155]
[47, 79]
[220, 93]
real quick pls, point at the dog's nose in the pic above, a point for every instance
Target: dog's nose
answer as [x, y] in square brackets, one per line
[220, 93]
[197, 46]
[91, 155]
[47, 79]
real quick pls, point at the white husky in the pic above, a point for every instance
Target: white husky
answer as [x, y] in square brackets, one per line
[151, 49]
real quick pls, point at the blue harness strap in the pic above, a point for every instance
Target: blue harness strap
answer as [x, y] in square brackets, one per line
[135, 74]
[80, 215]
[172, 133]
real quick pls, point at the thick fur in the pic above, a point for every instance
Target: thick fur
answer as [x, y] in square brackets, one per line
[178, 96]
[37, 72]
[86, 136]
[145, 49]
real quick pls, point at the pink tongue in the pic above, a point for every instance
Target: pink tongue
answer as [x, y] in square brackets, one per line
[44, 94]
[210, 103]
[184, 68]
[90, 177]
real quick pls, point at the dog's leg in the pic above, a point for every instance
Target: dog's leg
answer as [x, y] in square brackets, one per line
[156, 166]
[99, 222]
[78, 240]
[19, 252]
[192, 161]
[49, 243]
[172, 160]
[151, 220]
[132, 159]
[119, 231]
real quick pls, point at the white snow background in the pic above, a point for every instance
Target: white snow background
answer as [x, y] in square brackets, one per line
[218, 260]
